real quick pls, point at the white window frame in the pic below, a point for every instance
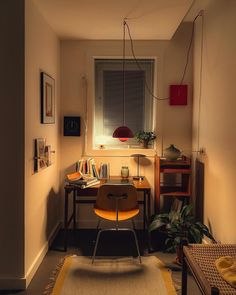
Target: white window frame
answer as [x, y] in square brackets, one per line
[115, 143]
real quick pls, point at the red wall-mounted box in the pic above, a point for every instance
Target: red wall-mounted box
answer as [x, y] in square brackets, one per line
[178, 95]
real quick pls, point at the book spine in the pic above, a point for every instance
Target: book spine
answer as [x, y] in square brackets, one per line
[91, 184]
[95, 172]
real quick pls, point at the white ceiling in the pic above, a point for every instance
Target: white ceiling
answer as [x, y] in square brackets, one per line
[103, 19]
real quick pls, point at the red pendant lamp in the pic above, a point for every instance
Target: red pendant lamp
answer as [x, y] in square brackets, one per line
[123, 133]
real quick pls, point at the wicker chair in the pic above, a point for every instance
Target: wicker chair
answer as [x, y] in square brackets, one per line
[200, 259]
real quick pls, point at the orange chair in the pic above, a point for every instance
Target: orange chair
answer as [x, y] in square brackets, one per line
[116, 202]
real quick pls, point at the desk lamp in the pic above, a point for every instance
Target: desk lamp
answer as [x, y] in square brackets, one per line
[138, 156]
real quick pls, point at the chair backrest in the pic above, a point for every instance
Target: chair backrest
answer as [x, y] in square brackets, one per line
[110, 195]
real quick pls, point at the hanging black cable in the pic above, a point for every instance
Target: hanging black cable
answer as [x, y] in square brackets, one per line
[123, 132]
[124, 73]
[139, 66]
[187, 56]
[189, 48]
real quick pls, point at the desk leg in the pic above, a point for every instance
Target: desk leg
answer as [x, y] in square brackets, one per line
[74, 209]
[144, 210]
[184, 276]
[148, 207]
[66, 220]
[148, 192]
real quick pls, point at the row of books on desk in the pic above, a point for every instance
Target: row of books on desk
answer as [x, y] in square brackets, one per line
[89, 167]
[87, 174]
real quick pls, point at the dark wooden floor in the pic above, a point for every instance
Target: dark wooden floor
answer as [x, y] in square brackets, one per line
[82, 243]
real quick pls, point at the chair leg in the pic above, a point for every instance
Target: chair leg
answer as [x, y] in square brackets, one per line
[96, 245]
[133, 224]
[98, 224]
[97, 229]
[137, 246]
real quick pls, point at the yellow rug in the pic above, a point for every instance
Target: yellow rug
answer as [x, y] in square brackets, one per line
[123, 276]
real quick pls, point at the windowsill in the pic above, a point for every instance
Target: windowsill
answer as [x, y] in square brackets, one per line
[119, 152]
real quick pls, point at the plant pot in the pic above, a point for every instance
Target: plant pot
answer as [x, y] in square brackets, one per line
[179, 255]
[144, 144]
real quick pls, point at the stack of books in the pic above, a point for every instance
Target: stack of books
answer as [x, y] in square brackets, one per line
[81, 180]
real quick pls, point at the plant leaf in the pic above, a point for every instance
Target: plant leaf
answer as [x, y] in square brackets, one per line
[156, 224]
[186, 211]
[195, 235]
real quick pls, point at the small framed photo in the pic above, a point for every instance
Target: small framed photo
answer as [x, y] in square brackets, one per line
[48, 157]
[72, 126]
[47, 99]
[40, 154]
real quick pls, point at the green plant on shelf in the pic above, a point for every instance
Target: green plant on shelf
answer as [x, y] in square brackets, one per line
[145, 137]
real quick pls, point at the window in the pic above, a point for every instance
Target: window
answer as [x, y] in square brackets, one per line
[110, 106]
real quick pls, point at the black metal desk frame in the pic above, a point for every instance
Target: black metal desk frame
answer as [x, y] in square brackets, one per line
[75, 192]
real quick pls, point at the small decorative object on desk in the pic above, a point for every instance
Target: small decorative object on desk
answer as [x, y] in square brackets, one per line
[124, 171]
[172, 153]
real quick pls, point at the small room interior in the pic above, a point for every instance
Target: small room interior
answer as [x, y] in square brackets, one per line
[194, 39]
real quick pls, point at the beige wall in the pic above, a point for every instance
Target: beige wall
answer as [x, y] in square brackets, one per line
[217, 118]
[41, 189]
[30, 212]
[173, 123]
[12, 142]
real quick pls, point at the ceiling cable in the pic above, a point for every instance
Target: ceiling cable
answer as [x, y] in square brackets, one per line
[123, 74]
[187, 55]
[189, 47]
[138, 64]
[200, 81]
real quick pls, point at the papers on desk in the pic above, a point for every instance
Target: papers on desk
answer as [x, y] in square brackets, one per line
[89, 184]
[81, 180]
[119, 181]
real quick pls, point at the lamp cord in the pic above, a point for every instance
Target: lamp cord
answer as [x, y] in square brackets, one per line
[187, 56]
[138, 64]
[189, 47]
[200, 82]
[123, 76]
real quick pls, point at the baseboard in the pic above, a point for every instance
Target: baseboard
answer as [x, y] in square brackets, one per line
[39, 258]
[22, 283]
[12, 284]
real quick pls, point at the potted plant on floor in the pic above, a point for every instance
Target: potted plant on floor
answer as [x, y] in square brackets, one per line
[179, 228]
[145, 137]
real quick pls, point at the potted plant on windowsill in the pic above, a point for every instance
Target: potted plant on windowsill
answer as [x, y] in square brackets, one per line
[180, 228]
[145, 138]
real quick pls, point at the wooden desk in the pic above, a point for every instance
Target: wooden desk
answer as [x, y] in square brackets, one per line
[76, 192]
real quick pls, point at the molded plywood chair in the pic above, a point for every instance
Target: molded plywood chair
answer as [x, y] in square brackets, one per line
[116, 203]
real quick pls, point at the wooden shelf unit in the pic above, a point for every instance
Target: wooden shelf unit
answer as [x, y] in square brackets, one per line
[180, 169]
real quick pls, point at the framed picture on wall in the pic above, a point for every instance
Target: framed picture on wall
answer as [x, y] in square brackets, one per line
[40, 154]
[71, 126]
[47, 99]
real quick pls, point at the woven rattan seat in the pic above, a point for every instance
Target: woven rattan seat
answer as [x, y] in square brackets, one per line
[201, 260]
